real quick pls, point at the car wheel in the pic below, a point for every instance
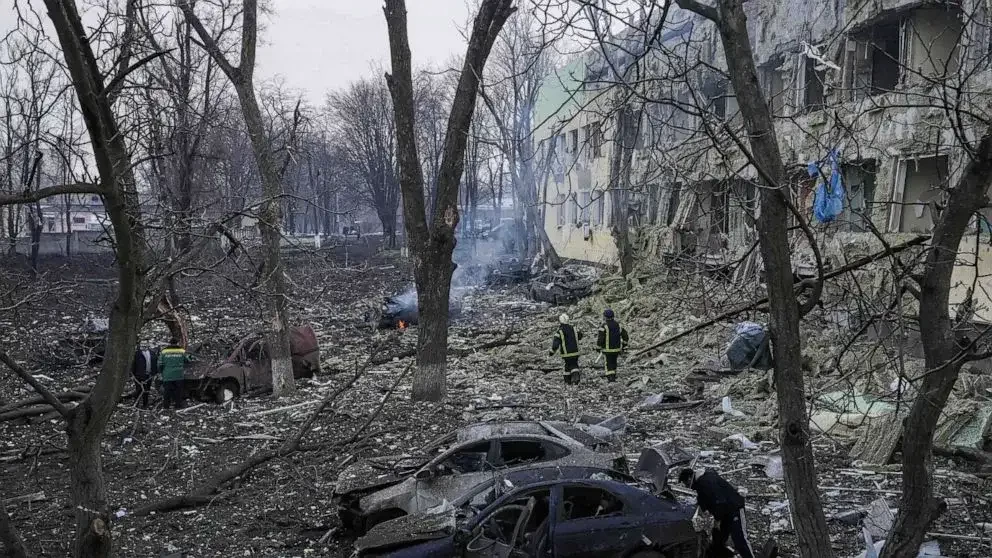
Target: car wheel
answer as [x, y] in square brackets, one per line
[227, 391]
[381, 517]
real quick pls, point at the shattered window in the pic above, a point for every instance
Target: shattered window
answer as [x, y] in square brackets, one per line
[468, 459]
[580, 502]
[560, 209]
[520, 525]
[519, 452]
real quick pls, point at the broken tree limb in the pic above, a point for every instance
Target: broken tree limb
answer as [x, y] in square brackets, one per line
[63, 396]
[856, 264]
[502, 342]
[50, 397]
[210, 490]
[33, 497]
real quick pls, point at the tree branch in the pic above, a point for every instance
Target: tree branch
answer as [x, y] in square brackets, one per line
[113, 87]
[38, 195]
[709, 12]
[35, 384]
[209, 43]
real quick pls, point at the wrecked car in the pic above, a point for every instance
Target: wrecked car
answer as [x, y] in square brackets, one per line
[439, 521]
[400, 311]
[385, 488]
[566, 285]
[565, 517]
[248, 368]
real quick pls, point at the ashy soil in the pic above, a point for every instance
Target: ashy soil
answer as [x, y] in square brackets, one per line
[286, 507]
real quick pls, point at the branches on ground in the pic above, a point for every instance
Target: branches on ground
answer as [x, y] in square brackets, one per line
[44, 392]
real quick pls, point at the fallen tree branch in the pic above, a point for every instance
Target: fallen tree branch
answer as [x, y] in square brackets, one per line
[502, 342]
[64, 396]
[207, 492]
[50, 397]
[378, 410]
[856, 264]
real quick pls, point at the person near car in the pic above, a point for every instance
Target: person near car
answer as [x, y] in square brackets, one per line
[172, 362]
[611, 342]
[143, 371]
[718, 497]
[565, 343]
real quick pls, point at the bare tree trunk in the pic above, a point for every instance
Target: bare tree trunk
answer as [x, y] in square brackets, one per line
[241, 76]
[433, 244]
[87, 422]
[942, 354]
[620, 167]
[800, 472]
[10, 539]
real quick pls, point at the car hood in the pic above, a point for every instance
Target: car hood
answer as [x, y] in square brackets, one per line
[378, 472]
[409, 529]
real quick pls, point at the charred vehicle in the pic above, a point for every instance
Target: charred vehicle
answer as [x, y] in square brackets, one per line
[400, 311]
[385, 488]
[248, 368]
[567, 517]
[439, 522]
[566, 285]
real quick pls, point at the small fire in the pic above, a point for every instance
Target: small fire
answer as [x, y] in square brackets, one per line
[401, 325]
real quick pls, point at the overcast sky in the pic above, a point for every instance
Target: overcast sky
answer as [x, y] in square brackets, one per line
[318, 45]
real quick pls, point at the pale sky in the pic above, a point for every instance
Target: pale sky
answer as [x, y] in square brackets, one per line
[319, 45]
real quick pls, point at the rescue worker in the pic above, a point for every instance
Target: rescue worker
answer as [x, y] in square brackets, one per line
[718, 497]
[566, 344]
[172, 362]
[612, 341]
[143, 370]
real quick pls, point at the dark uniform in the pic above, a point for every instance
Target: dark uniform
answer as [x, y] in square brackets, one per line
[143, 370]
[612, 341]
[172, 361]
[718, 497]
[566, 343]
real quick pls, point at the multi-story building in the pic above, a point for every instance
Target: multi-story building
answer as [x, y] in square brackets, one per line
[892, 85]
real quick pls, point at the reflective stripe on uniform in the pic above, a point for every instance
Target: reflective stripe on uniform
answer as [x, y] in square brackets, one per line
[608, 342]
[561, 336]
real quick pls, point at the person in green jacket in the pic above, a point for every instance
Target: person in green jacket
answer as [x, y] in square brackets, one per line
[172, 362]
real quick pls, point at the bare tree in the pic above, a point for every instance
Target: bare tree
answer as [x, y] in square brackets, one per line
[242, 77]
[363, 126]
[433, 241]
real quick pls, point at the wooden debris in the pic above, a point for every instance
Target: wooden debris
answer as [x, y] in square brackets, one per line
[26, 498]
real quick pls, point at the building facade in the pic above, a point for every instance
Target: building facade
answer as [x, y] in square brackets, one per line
[891, 86]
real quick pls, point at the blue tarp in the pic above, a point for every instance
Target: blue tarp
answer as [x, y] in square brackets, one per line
[828, 202]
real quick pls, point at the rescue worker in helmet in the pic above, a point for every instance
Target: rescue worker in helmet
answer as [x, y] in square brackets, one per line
[565, 343]
[611, 341]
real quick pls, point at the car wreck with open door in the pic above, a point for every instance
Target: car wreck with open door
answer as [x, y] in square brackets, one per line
[248, 367]
[384, 488]
[563, 518]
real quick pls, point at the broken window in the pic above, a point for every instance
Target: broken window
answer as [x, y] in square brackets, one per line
[519, 527]
[886, 56]
[580, 502]
[573, 141]
[773, 86]
[919, 193]
[598, 208]
[573, 209]
[673, 204]
[813, 90]
[932, 36]
[468, 459]
[519, 452]
[859, 185]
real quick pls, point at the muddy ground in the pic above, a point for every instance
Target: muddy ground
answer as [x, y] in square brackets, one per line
[285, 508]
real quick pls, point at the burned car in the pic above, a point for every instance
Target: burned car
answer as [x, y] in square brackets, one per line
[385, 488]
[439, 522]
[560, 518]
[248, 368]
[566, 285]
[400, 311]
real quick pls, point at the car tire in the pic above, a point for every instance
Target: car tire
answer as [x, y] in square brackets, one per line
[226, 391]
[380, 517]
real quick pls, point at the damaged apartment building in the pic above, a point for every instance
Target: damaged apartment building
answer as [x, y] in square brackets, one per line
[870, 80]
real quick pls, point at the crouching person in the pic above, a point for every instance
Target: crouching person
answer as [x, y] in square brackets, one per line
[172, 362]
[718, 497]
